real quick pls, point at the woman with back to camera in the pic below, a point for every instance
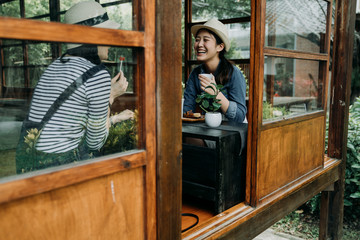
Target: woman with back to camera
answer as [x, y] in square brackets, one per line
[211, 44]
[81, 123]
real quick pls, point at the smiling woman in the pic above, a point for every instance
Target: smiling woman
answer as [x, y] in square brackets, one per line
[211, 44]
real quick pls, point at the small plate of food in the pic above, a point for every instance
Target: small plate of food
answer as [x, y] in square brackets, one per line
[189, 116]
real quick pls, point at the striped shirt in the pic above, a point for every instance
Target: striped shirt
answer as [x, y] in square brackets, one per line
[82, 116]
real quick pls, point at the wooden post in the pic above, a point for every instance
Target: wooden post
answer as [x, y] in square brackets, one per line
[168, 63]
[339, 113]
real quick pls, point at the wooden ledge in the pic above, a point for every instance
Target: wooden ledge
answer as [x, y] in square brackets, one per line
[28, 184]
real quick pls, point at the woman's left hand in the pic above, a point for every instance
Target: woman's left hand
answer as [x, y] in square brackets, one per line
[124, 115]
[205, 82]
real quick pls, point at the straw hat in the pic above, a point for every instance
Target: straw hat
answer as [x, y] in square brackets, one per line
[215, 26]
[89, 13]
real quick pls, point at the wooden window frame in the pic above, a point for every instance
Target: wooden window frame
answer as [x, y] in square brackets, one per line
[25, 185]
[322, 58]
[256, 125]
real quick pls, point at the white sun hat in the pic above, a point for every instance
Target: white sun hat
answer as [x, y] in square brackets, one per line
[215, 26]
[88, 13]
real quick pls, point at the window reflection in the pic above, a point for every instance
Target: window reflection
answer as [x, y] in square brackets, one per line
[25, 62]
[121, 12]
[36, 8]
[205, 10]
[291, 87]
[10, 9]
[296, 24]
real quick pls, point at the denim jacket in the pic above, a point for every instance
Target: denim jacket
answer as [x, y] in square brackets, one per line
[234, 90]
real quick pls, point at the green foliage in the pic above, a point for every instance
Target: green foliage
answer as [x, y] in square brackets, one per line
[298, 224]
[207, 101]
[10, 9]
[352, 172]
[246, 80]
[303, 225]
[355, 82]
[122, 137]
[205, 9]
[270, 112]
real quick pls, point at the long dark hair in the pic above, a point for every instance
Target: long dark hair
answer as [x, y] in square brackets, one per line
[226, 66]
[87, 51]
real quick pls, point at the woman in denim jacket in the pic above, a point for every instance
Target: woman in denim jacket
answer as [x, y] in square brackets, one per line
[211, 44]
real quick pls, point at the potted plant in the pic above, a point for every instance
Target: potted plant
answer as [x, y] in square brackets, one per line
[211, 105]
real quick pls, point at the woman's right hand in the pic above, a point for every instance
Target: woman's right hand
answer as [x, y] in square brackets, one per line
[119, 85]
[205, 82]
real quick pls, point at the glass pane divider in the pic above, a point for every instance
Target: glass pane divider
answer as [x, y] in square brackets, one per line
[291, 120]
[275, 52]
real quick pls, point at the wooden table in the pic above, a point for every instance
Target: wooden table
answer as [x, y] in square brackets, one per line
[215, 174]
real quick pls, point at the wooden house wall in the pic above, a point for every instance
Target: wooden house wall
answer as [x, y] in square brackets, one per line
[102, 208]
[289, 152]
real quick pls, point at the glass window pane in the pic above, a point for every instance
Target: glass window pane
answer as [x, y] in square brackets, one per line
[10, 9]
[203, 10]
[291, 87]
[35, 74]
[14, 77]
[119, 11]
[13, 55]
[122, 14]
[296, 25]
[36, 7]
[39, 54]
[66, 4]
[78, 129]
[239, 35]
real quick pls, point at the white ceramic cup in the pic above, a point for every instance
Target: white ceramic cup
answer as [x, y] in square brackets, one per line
[182, 106]
[209, 76]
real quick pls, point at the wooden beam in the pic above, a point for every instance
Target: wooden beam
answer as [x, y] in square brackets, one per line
[14, 28]
[339, 107]
[147, 8]
[169, 77]
[324, 215]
